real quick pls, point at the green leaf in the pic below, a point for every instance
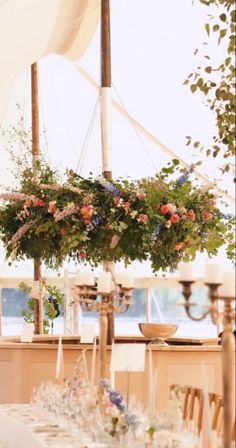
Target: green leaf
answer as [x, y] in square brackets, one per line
[233, 15]
[222, 34]
[216, 28]
[207, 28]
[193, 88]
[223, 17]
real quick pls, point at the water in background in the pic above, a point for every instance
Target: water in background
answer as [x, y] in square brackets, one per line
[165, 307]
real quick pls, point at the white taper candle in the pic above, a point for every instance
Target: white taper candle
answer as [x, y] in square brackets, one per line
[93, 363]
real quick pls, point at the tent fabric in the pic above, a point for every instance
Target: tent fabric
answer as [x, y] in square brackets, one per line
[30, 30]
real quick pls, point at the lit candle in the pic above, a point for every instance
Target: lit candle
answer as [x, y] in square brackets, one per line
[124, 279]
[93, 363]
[85, 367]
[213, 273]
[207, 432]
[228, 285]
[84, 279]
[59, 364]
[104, 283]
[150, 380]
[186, 272]
[119, 278]
[155, 390]
[112, 372]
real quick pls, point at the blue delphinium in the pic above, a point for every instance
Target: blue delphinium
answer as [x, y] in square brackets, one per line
[185, 176]
[227, 216]
[109, 187]
[183, 179]
[156, 232]
[117, 399]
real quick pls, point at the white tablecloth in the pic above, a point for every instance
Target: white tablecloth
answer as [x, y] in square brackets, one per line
[21, 426]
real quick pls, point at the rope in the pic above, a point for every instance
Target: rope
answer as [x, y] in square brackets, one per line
[87, 138]
[25, 91]
[59, 115]
[154, 140]
[135, 130]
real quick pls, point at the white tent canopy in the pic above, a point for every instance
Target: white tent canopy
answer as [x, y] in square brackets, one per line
[152, 54]
[33, 29]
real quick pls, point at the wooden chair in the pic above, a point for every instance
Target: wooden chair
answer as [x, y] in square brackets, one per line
[216, 406]
[183, 394]
[195, 409]
[192, 403]
[193, 406]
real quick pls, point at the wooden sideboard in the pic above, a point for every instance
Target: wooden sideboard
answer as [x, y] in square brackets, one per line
[23, 366]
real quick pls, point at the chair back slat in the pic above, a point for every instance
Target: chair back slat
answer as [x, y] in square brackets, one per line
[193, 407]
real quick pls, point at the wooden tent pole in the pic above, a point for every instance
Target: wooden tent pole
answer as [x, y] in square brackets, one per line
[106, 103]
[38, 305]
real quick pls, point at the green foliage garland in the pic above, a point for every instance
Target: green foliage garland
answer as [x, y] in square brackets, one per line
[93, 220]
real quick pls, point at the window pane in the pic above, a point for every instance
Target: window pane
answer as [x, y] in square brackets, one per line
[167, 306]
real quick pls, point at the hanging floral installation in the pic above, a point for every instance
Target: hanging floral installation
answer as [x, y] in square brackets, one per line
[93, 220]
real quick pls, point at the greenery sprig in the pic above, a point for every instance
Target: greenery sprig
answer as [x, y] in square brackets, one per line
[217, 82]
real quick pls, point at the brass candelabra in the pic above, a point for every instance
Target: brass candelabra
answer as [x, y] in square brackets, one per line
[226, 317]
[116, 301]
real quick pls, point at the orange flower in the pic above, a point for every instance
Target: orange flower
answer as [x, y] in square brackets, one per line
[207, 216]
[39, 202]
[164, 209]
[63, 231]
[179, 246]
[174, 218]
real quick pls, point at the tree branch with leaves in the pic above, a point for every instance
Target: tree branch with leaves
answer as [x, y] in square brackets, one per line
[217, 80]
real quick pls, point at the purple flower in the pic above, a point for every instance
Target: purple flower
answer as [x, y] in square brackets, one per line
[183, 179]
[109, 187]
[117, 399]
[96, 220]
[156, 232]
[185, 176]
[227, 215]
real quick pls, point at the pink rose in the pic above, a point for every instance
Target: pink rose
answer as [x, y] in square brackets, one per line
[142, 218]
[191, 215]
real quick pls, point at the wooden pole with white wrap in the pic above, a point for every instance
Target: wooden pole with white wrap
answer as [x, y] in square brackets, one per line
[105, 105]
[38, 305]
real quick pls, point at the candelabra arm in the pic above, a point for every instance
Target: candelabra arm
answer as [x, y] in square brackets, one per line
[213, 295]
[187, 292]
